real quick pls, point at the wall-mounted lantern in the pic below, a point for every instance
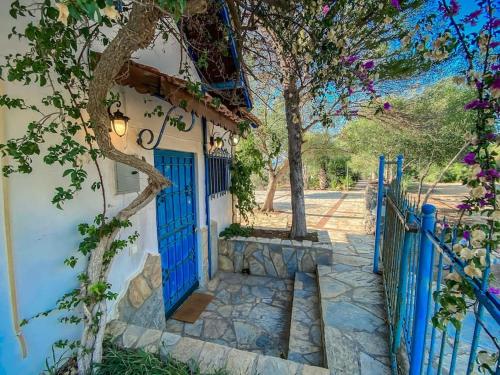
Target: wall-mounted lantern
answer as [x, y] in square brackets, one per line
[234, 139]
[119, 122]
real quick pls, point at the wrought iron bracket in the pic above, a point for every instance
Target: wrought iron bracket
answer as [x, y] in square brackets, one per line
[145, 144]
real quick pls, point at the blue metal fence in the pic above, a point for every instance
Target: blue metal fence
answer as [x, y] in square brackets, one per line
[416, 255]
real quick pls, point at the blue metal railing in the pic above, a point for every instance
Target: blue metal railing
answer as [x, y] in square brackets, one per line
[415, 260]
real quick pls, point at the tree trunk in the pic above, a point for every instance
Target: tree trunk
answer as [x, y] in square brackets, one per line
[421, 181]
[271, 191]
[438, 180]
[294, 128]
[137, 33]
[323, 178]
[274, 177]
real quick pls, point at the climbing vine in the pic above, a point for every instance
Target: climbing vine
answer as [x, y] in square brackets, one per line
[71, 124]
[473, 38]
[246, 162]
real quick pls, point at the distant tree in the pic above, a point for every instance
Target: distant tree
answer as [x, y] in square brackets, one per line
[270, 139]
[324, 57]
[428, 129]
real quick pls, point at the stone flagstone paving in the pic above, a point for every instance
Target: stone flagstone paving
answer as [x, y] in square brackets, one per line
[248, 312]
[305, 345]
[352, 297]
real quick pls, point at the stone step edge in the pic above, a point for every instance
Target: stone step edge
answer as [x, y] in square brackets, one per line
[327, 354]
[209, 356]
[292, 317]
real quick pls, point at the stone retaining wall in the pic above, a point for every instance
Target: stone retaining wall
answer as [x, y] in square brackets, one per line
[274, 257]
[208, 356]
[142, 303]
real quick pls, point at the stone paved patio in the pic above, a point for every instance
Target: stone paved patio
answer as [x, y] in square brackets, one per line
[248, 312]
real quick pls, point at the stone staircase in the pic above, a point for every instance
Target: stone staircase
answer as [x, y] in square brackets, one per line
[305, 343]
[353, 321]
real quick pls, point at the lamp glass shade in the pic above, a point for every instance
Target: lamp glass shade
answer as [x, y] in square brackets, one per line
[119, 126]
[235, 138]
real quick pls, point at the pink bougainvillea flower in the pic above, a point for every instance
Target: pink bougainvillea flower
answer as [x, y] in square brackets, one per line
[464, 206]
[352, 59]
[370, 87]
[472, 18]
[495, 88]
[387, 106]
[454, 7]
[477, 104]
[490, 136]
[493, 173]
[325, 9]
[489, 195]
[368, 64]
[494, 291]
[470, 158]
[396, 4]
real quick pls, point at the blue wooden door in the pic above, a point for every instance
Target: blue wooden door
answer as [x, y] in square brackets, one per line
[176, 223]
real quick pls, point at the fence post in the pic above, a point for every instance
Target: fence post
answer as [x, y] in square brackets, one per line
[399, 171]
[423, 293]
[380, 198]
[403, 282]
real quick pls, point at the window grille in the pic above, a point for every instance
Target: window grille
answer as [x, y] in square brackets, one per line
[219, 173]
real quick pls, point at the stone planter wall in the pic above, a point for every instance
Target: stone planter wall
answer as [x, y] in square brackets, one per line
[273, 257]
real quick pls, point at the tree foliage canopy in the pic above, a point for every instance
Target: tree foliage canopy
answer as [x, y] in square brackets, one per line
[429, 127]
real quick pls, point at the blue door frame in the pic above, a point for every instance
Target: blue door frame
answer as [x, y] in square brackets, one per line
[176, 221]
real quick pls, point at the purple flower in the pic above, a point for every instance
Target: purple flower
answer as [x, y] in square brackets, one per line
[493, 173]
[387, 106]
[477, 104]
[454, 7]
[466, 235]
[368, 65]
[494, 45]
[489, 195]
[470, 158]
[490, 136]
[483, 203]
[495, 23]
[395, 4]
[351, 59]
[494, 291]
[495, 67]
[472, 18]
[325, 9]
[464, 206]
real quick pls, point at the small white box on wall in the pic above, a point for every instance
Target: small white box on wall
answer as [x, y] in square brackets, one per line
[127, 179]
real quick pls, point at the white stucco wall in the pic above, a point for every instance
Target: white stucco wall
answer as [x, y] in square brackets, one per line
[43, 236]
